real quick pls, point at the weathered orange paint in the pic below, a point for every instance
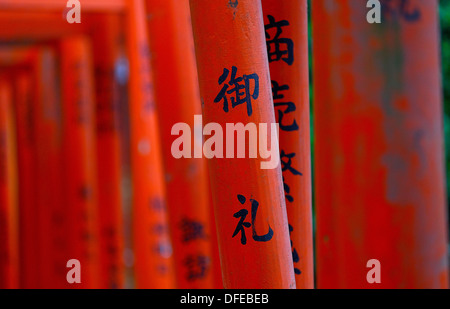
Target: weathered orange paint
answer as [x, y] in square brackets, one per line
[231, 33]
[178, 100]
[379, 145]
[9, 238]
[152, 247]
[106, 48]
[79, 158]
[286, 23]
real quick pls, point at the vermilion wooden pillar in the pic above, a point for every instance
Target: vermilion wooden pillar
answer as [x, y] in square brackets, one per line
[106, 48]
[51, 255]
[79, 160]
[152, 247]
[9, 240]
[249, 201]
[38, 154]
[286, 26]
[24, 105]
[178, 100]
[216, 267]
[379, 145]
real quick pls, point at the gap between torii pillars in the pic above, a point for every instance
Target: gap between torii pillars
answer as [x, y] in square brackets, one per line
[380, 190]
[286, 26]
[248, 201]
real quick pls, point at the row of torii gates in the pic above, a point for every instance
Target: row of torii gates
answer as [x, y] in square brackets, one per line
[379, 176]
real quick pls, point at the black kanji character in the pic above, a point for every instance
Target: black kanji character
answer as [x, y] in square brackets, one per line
[400, 8]
[239, 96]
[286, 55]
[295, 255]
[192, 230]
[242, 214]
[287, 190]
[288, 165]
[197, 266]
[233, 4]
[290, 107]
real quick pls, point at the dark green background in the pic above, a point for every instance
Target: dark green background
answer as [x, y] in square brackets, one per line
[445, 23]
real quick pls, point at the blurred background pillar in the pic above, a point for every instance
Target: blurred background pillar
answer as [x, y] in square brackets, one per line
[79, 159]
[9, 238]
[178, 100]
[152, 246]
[52, 223]
[107, 44]
[379, 156]
[24, 102]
